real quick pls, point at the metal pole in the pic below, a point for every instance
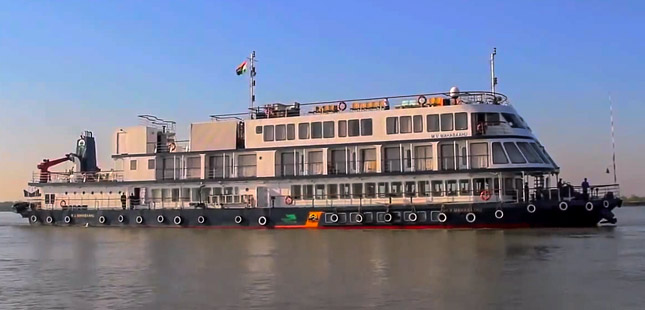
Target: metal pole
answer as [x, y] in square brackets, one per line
[493, 79]
[252, 82]
[613, 140]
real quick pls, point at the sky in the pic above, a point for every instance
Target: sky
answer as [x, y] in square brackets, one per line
[70, 66]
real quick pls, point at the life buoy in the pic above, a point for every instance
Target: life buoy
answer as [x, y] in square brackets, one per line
[422, 100]
[442, 217]
[121, 218]
[63, 203]
[387, 217]
[49, 219]
[412, 217]
[33, 219]
[605, 203]
[359, 218]
[484, 195]
[238, 219]
[531, 208]
[102, 219]
[499, 214]
[67, 219]
[563, 206]
[471, 217]
[288, 200]
[177, 220]
[333, 218]
[201, 219]
[262, 220]
[160, 219]
[342, 106]
[589, 206]
[139, 219]
[172, 146]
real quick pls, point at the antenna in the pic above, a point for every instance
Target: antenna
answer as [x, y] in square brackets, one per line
[493, 78]
[613, 140]
[252, 82]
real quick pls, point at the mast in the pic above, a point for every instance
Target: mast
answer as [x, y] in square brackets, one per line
[493, 78]
[252, 81]
[613, 140]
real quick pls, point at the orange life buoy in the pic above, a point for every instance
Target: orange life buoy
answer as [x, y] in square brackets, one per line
[422, 100]
[342, 106]
[63, 203]
[288, 200]
[172, 146]
[484, 195]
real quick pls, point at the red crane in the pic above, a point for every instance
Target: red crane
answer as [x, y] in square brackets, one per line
[46, 164]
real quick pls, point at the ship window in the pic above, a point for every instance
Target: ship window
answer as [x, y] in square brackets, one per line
[514, 153]
[512, 120]
[328, 129]
[540, 152]
[174, 195]
[423, 158]
[342, 128]
[499, 157]
[446, 122]
[424, 190]
[354, 128]
[303, 131]
[320, 191]
[344, 191]
[151, 164]
[268, 133]
[461, 121]
[410, 189]
[258, 130]
[478, 155]
[529, 152]
[133, 164]
[357, 190]
[291, 132]
[382, 190]
[332, 191]
[492, 119]
[406, 124]
[418, 123]
[366, 127]
[280, 132]
[432, 121]
[396, 189]
[392, 125]
[464, 187]
[370, 190]
[437, 188]
[295, 192]
[451, 188]
[316, 130]
[307, 191]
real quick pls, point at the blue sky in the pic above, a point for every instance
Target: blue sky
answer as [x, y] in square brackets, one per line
[75, 65]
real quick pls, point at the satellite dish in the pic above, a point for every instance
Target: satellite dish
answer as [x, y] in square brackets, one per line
[454, 92]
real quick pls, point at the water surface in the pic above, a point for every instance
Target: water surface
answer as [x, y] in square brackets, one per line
[130, 268]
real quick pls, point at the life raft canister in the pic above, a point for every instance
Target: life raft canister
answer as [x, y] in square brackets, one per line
[288, 200]
[342, 106]
[485, 195]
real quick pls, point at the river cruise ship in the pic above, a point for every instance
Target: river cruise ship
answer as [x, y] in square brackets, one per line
[456, 159]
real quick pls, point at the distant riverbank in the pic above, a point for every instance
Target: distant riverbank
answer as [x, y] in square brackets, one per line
[6, 206]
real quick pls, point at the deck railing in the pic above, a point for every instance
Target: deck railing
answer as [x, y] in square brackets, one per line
[77, 177]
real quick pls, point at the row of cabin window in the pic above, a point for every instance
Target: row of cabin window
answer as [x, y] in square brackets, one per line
[434, 123]
[191, 194]
[133, 164]
[519, 153]
[437, 188]
[316, 130]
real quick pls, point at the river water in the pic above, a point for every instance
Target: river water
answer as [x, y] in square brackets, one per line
[130, 268]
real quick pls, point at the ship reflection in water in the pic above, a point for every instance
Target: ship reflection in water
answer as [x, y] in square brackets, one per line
[77, 268]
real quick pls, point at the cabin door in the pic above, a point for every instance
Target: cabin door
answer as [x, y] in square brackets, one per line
[447, 156]
[262, 197]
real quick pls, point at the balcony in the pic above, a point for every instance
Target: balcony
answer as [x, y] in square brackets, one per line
[232, 172]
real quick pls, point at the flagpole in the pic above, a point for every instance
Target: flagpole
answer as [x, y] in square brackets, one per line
[252, 82]
[613, 140]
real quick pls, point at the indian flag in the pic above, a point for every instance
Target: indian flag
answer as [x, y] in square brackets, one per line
[241, 68]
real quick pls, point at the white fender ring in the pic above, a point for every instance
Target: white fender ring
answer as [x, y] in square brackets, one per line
[589, 206]
[605, 203]
[262, 220]
[387, 217]
[499, 214]
[563, 206]
[442, 217]
[49, 219]
[121, 218]
[531, 208]
[102, 219]
[333, 218]
[239, 219]
[412, 217]
[67, 219]
[139, 219]
[177, 220]
[470, 217]
[160, 218]
[201, 219]
[33, 219]
[359, 218]
[422, 100]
